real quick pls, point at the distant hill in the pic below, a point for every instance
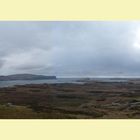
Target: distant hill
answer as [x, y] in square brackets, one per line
[25, 77]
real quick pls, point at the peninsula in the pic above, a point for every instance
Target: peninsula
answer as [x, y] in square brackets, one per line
[25, 77]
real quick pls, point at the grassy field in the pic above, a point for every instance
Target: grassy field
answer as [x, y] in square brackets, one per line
[71, 101]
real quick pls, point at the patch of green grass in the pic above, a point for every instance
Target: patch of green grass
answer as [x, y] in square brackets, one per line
[16, 112]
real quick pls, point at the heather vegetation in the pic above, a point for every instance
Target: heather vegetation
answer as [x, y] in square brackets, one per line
[91, 100]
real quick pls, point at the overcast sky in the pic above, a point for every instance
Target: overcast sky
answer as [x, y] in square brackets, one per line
[70, 48]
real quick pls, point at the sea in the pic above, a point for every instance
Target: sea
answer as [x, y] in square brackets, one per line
[61, 80]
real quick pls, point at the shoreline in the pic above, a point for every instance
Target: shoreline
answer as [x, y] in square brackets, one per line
[12, 83]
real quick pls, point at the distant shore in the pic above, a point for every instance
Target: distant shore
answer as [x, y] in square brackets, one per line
[25, 77]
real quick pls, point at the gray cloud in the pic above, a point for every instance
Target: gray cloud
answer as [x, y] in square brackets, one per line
[70, 48]
[1, 63]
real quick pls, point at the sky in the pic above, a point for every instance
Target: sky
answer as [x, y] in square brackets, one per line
[70, 48]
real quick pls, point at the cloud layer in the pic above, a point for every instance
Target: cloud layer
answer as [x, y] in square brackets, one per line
[70, 48]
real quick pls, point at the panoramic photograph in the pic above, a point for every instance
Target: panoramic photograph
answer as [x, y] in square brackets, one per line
[69, 69]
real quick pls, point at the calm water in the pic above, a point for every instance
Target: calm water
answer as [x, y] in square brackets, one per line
[58, 80]
[52, 81]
